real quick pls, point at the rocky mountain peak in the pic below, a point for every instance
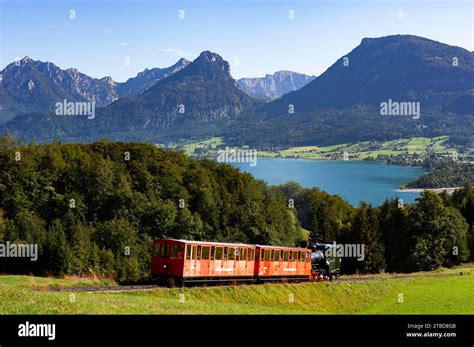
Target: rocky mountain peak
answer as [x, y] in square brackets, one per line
[26, 60]
[207, 62]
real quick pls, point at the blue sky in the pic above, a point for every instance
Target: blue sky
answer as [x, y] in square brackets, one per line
[255, 36]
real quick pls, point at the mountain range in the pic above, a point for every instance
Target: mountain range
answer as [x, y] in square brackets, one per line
[28, 86]
[200, 98]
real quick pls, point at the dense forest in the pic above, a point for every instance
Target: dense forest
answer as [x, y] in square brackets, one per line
[444, 171]
[435, 231]
[93, 209]
[445, 175]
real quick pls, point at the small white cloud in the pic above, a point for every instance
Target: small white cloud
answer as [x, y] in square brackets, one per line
[178, 52]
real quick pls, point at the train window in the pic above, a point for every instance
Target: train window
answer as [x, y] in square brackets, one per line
[285, 255]
[188, 252]
[295, 256]
[267, 255]
[213, 250]
[205, 252]
[230, 253]
[243, 255]
[156, 249]
[237, 253]
[262, 254]
[177, 252]
[165, 250]
[174, 249]
[276, 255]
[302, 256]
[180, 252]
[198, 254]
[219, 253]
[252, 254]
[226, 256]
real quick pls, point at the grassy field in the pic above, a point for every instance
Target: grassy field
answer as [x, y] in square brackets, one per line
[208, 145]
[363, 150]
[420, 295]
[358, 151]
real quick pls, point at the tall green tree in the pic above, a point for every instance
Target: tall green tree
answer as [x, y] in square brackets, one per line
[439, 233]
[397, 238]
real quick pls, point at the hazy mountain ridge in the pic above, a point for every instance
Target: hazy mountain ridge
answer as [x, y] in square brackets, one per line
[274, 86]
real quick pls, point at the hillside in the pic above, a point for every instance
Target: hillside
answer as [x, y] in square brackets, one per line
[82, 204]
[399, 67]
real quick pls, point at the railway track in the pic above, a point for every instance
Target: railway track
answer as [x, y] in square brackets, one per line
[115, 288]
[124, 288]
[390, 277]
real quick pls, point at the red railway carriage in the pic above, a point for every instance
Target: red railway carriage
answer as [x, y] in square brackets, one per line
[277, 263]
[197, 261]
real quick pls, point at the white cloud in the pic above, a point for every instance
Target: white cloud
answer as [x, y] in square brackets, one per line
[178, 52]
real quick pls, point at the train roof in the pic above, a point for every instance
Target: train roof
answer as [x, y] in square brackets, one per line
[209, 243]
[232, 244]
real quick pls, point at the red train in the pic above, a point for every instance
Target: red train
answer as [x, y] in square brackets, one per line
[182, 261]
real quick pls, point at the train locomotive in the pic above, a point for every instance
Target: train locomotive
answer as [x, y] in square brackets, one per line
[180, 262]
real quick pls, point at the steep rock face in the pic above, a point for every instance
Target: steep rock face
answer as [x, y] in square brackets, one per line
[399, 67]
[148, 77]
[274, 86]
[29, 85]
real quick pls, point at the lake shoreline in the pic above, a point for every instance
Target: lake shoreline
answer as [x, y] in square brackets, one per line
[352, 180]
[264, 157]
[420, 190]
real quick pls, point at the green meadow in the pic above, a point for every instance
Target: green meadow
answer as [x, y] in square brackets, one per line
[423, 294]
[361, 150]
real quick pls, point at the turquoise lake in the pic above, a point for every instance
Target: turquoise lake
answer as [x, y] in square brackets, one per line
[354, 181]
